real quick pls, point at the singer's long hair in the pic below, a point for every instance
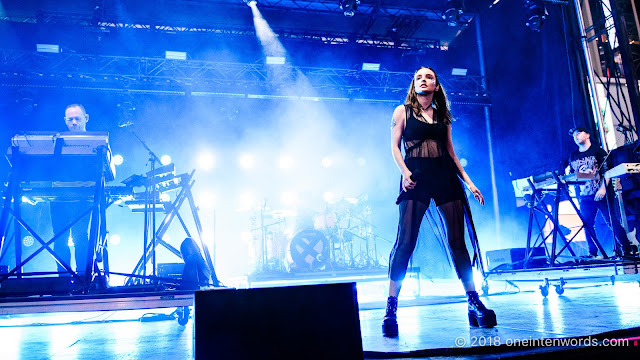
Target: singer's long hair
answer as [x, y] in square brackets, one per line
[440, 102]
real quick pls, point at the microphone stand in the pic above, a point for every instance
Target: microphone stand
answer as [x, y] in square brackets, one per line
[150, 185]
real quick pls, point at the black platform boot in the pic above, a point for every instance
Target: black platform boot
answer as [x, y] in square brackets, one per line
[479, 315]
[390, 321]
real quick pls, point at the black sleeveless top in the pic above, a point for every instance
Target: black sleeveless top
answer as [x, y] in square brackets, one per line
[422, 139]
[428, 159]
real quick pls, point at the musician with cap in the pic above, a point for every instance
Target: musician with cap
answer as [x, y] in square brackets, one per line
[595, 195]
[64, 211]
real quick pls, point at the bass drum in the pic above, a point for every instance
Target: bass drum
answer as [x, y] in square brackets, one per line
[308, 250]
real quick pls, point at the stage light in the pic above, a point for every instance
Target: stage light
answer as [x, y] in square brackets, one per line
[452, 12]
[165, 160]
[251, 2]
[48, 48]
[206, 238]
[275, 60]
[463, 162]
[165, 197]
[118, 160]
[326, 162]
[206, 161]
[285, 162]
[29, 201]
[247, 161]
[370, 67]
[246, 200]
[114, 239]
[349, 7]
[536, 14]
[207, 200]
[329, 197]
[395, 36]
[175, 55]
[246, 236]
[288, 198]
[459, 72]
[28, 240]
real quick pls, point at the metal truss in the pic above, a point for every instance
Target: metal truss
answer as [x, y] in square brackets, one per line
[406, 22]
[406, 28]
[615, 75]
[190, 77]
[307, 6]
[333, 6]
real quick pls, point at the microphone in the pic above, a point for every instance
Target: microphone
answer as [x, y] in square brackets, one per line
[416, 175]
[125, 123]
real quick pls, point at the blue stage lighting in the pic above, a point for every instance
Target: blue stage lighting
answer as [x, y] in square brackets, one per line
[275, 60]
[329, 197]
[175, 55]
[118, 160]
[206, 161]
[285, 162]
[28, 241]
[48, 48]
[536, 14]
[288, 198]
[370, 67]
[349, 7]
[165, 160]
[114, 239]
[452, 12]
[459, 72]
[247, 161]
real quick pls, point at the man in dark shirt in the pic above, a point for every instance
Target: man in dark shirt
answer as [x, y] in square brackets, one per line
[63, 212]
[595, 195]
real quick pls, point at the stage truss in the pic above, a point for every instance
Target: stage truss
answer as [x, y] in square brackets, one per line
[396, 25]
[206, 78]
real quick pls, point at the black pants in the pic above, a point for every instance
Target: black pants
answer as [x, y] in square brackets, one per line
[411, 215]
[589, 208]
[62, 214]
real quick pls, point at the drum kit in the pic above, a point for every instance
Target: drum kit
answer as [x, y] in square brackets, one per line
[340, 237]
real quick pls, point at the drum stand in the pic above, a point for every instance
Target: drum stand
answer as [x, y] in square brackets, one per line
[263, 265]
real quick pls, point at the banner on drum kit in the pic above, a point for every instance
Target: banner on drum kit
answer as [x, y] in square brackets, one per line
[296, 322]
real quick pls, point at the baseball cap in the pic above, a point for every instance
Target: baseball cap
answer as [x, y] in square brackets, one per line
[578, 129]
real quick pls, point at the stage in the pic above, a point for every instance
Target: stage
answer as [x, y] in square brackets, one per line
[431, 325]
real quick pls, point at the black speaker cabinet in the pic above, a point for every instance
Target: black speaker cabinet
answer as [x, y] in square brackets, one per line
[297, 322]
[513, 258]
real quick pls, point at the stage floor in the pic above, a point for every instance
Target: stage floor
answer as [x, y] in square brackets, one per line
[432, 325]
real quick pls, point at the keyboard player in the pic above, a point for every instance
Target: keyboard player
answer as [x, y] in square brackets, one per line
[596, 195]
[64, 211]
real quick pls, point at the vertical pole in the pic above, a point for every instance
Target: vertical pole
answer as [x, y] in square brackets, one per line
[627, 63]
[213, 238]
[487, 119]
[593, 94]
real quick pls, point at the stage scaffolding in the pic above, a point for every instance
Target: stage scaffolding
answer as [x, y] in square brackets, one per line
[205, 78]
[402, 25]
